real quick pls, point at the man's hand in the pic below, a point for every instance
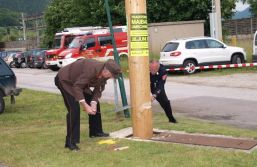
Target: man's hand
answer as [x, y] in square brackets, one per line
[87, 108]
[93, 105]
[153, 97]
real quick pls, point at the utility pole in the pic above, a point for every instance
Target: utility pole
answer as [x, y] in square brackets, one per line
[24, 26]
[37, 32]
[219, 26]
[139, 68]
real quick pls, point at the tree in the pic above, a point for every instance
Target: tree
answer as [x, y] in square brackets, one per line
[8, 18]
[25, 6]
[68, 13]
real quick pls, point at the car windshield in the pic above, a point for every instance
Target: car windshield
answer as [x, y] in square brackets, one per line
[76, 43]
[34, 52]
[57, 42]
[68, 40]
[169, 47]
[38, 53]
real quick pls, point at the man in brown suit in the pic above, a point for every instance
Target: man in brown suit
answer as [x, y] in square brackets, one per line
[74, 82]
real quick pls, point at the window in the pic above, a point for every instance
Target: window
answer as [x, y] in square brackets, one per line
[117, 30]
[190, 45]
[214, 44]
[4, 69]
[106, 40]
[199, 44]
[90, 42]
[68, 40]
[169, 47]
[57, 42]
[76, 43]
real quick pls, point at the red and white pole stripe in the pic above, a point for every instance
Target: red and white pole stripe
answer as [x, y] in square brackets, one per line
[215, 67]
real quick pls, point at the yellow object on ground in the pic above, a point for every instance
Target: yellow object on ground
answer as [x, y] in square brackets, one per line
[109, 141]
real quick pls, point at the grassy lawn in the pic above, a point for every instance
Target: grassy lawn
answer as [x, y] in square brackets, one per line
[33, 132]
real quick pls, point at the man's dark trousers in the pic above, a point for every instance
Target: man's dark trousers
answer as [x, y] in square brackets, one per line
[95, 121]
[165, 104]
[72, 117]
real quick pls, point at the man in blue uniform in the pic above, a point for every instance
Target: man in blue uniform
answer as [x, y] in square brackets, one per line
[158, 77]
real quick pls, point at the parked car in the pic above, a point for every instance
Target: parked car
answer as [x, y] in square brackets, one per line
[7, 56]
[7, 84]
[192, 52]
[29, 56]
[20, 60]
[39, 59]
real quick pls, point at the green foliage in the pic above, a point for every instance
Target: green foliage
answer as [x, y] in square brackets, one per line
[70, 13]
[26, 6]
[10, 34]
[10, 14]
[253, 7]
[8, 18]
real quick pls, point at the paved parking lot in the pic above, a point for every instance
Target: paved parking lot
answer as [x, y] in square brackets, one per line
[223, 99]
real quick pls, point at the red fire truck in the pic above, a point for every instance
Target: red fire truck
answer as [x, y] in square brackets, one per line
[97, 46]
[62, 41]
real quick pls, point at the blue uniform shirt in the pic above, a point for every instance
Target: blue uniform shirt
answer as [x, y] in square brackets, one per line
[158, 81]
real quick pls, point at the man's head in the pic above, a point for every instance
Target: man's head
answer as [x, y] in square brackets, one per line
[111, 69]
[154, 66]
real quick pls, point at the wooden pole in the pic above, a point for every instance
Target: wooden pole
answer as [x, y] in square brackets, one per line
[139, 68]
[219, 24]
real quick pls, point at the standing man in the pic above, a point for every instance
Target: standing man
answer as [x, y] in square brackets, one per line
[75, 82]
[158, 77]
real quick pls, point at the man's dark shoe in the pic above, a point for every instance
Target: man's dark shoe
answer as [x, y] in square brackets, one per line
[173, 120]
[72, 147]
[99, 135]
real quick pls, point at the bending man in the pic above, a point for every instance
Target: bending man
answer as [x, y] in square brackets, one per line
[75, 82]
[158, 77]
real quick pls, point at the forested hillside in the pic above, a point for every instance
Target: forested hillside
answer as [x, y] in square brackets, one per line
[30, 7]
[10, 15]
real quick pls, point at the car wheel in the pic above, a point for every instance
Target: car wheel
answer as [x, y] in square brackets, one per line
[18, 66]
[12, 64]
[2, 104]
[23, 65]
[236, 59]
[189, 66]
[45, 66]
[54, 68]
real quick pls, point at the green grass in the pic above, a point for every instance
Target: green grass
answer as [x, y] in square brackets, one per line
[33, 132]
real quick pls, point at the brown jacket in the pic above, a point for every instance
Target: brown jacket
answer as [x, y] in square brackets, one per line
[80, 76]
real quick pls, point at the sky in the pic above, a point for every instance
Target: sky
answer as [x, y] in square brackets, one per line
[240, 6]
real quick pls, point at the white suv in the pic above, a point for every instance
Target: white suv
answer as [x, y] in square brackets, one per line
[197, 51]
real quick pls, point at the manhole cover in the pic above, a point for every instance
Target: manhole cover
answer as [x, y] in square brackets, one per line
[204, 140]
